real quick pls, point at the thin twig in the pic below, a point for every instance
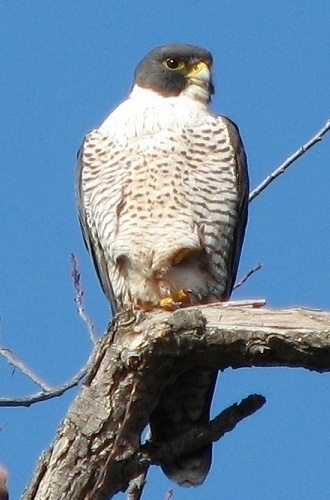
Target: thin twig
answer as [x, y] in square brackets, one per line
[16, 363]
[282, 168]
[169, 494]
[248, 275]
[79, 299]
[47, 394]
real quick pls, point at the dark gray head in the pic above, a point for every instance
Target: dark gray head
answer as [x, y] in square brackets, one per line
[170, 69]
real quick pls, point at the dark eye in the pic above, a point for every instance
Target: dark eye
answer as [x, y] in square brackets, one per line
[173, 64]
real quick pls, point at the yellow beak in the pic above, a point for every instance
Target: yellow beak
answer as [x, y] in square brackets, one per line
[200, 72]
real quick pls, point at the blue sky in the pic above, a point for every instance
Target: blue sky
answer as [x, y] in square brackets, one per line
[65, 65]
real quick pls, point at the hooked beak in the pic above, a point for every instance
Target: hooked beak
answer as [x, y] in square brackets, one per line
[200, 74]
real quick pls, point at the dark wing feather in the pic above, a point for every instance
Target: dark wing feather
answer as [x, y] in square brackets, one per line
[243, 200]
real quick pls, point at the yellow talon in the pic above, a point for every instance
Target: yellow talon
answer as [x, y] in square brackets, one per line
[174, 299]
[166, 303]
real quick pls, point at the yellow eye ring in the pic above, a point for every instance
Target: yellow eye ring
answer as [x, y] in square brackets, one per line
[173, 64]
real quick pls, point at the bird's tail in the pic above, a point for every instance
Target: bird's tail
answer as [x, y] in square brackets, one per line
[184, 405]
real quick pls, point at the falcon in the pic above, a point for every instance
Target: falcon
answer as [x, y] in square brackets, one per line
[162, 194]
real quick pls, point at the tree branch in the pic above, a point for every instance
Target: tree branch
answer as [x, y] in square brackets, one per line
[19, 365]
[75, 274]
[46, 394]
[49, 392]
[248, 275]
[202, 435]
[282, 168]
[97, 448]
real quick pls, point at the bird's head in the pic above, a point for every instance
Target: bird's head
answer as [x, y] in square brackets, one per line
[170, 70]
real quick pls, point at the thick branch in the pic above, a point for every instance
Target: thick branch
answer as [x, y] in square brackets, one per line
[97, 444]
[200, 436]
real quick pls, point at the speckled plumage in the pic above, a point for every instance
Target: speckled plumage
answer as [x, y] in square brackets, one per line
[162, 194]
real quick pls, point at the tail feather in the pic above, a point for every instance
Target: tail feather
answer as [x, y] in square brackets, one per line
[190, 470]
[182, 406]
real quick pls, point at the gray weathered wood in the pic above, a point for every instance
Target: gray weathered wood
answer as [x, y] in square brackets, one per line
[96, 450]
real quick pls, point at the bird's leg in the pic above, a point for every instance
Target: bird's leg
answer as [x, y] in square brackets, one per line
[171, 298]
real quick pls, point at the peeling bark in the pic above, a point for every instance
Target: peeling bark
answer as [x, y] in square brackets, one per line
[96, 451]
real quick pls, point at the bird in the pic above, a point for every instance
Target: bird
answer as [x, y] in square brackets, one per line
[162, 195]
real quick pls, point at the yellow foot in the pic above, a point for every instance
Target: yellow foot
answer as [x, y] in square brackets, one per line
[174, 300]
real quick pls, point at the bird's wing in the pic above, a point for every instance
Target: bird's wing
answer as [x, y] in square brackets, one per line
[242, 185]
[217, 193]
[90, 156]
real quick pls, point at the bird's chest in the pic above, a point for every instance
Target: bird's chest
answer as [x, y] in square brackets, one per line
[181, 158]
[164, 160]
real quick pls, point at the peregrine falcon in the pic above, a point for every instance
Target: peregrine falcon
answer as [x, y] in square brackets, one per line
[162, 193]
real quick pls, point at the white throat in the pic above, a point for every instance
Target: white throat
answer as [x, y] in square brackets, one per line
[149, 111]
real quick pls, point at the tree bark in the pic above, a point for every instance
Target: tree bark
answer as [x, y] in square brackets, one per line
[97, 451]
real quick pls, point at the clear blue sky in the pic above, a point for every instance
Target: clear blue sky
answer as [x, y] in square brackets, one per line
[64, 66]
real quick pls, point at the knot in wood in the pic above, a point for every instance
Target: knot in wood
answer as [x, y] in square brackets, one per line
[187, 319]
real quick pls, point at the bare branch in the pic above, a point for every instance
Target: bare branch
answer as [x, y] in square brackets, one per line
[189, 442]
[202, 435]
[282, 168]
[16, 363]
[97, 447]
[247, 276]
[47, 393]
[79, 299]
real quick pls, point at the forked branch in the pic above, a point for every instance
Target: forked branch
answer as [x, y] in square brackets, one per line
[135, 362]
[97, 451]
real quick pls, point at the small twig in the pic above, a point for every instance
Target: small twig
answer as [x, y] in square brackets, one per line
[79, 299]
[282, 168]
[169, 495]
[16, 363]
[47, 394]
[248, 275]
